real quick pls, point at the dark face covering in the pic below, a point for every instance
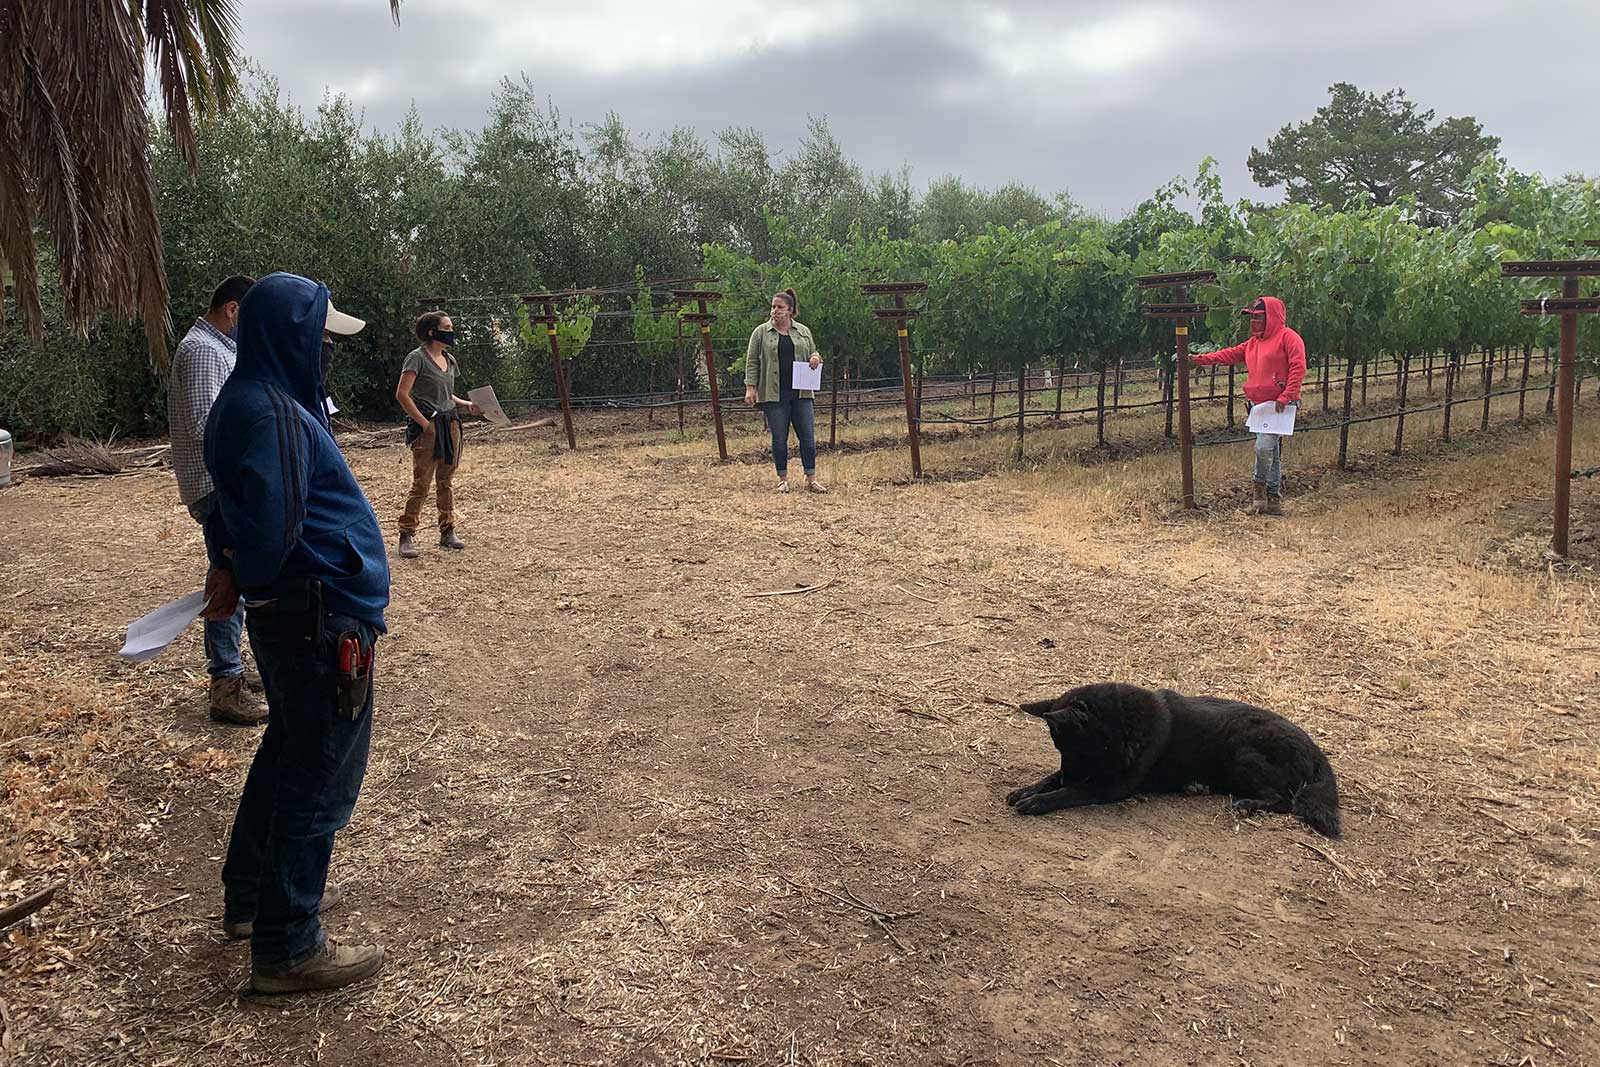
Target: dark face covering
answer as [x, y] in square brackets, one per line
[444, 337]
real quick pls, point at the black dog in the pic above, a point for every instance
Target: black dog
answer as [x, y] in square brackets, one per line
[1116, 740]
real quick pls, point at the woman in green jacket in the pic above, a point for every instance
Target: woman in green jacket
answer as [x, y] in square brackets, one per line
[775, 346]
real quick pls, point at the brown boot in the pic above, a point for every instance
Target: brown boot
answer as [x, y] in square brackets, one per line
[448, 538]
[1274, 504]
[231, 704]
[241, 929]
[330, 967]
[1260, 504]
[407, 549]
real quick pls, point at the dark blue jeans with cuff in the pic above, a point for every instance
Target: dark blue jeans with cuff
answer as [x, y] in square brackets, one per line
[799, 412]
[303, 784]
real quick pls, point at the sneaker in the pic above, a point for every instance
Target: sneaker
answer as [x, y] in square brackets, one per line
[232, 705]
[448, 538]
[330, 967]
[241, 929]
[407, 549]
[783, 485]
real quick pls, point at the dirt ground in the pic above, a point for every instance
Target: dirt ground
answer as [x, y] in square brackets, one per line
[622, 809]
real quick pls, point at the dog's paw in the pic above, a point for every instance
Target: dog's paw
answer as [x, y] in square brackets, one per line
[1016, 795]
[1033, 806]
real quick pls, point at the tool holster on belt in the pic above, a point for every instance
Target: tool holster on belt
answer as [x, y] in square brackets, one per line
[354, 679]
[296, 609]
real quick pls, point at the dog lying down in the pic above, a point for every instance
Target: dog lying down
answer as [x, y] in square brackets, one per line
[1116, 740]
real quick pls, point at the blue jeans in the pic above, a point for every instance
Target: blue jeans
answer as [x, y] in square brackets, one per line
[799, 412]
[222, 638]
[302, 785]
[1269, 460]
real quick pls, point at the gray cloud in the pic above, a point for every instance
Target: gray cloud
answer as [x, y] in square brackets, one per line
[1103, 100]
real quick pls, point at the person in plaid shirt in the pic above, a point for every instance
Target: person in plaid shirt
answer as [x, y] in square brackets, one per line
[202, 363]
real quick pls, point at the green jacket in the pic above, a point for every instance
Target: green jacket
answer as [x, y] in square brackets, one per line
[761, 359]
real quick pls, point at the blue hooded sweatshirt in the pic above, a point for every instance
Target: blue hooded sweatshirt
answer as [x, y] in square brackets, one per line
[288, 506]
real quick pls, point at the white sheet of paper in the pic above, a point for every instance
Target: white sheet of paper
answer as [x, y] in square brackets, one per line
[155, 631]
[484, 397]
[329, 406]
[807, 378]
[1266, 418]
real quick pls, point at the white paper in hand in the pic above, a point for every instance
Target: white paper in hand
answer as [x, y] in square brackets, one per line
[1266, 418]
[806, 376]
[148, 636]
[484, 397]
[329, 406]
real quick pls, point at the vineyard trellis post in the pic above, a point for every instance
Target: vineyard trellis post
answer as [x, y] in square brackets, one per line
[1569, 305]
[1403, 379]
[546, 303]
[1522, 390]
[678, 346]
[704, 319]
[1181, 312]
[833, 408]
[901, 316]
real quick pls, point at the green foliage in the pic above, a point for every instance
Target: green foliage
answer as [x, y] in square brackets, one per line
[1361, 147]
[471, 218]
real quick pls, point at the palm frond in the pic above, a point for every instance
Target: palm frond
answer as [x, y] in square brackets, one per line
[74, 144]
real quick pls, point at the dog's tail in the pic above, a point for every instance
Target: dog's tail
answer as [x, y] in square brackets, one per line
[1317, 802]
[1037, 707]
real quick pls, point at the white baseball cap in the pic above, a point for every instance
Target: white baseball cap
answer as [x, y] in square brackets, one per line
[342, 324]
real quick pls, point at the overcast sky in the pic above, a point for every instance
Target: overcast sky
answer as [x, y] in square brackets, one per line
[1104, 100]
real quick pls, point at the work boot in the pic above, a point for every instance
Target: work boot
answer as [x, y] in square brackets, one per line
[1259, 507]
[231, 704]
[407, 549]
[241, 929]
[330, 967]
[448, 538]
[1274, 504]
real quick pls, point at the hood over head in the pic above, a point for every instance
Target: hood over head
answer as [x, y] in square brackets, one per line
[1277, 318]
[281, 321]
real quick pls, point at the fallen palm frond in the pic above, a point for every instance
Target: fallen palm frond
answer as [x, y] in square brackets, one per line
[90, 458]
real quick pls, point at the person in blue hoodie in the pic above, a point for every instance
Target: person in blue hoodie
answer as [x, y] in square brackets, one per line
[295, 539]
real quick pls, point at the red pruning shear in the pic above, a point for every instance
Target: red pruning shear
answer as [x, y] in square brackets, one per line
[355, 675]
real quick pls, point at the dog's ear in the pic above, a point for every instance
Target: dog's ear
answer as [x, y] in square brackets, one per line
[1041, 708]
[1065, 712]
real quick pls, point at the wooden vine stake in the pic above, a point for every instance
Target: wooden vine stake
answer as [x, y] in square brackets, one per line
[704, 319]
[1569, 305]
[902, 316]
[1182, 313]
[542, 311]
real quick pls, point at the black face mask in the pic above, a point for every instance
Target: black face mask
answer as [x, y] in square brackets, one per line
[444, 337]
[327, 358]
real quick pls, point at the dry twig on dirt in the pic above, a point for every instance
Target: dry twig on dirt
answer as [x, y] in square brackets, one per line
[794, 592]
[27, 906]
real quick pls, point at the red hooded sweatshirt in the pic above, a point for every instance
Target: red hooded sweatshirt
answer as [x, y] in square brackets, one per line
[1275, 362]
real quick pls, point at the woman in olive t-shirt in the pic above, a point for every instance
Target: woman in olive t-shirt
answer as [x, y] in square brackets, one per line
[427, 393]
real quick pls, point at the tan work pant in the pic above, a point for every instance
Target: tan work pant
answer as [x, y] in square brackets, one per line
[426, 469]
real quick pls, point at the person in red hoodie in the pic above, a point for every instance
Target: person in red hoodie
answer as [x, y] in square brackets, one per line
[1275, 364]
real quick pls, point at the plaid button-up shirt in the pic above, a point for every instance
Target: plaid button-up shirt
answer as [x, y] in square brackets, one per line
[202, 363]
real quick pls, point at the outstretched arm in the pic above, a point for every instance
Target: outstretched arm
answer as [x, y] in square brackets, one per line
[1221, 355]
